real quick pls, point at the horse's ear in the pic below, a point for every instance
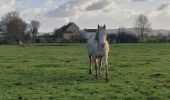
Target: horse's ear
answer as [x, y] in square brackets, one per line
[98, 26]
[104, 26]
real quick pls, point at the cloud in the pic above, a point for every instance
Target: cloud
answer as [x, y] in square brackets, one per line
[6, 5]
[160, 16]
[139, 0]
[113, 19]
[92, 12]
[100, 5]
[163, 6]
[3, 7]
[49, 1]
[69, 9]
[33, 13]
[77, 7]
[88, 13]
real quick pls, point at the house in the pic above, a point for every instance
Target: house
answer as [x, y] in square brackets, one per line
[68, 33]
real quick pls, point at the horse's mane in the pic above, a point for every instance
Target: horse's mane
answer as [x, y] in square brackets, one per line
[96, 35]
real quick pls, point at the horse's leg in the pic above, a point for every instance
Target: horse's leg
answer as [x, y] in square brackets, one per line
[106, 68]
[90, 61]
[107, 74]
[96, 67]
[100, 64]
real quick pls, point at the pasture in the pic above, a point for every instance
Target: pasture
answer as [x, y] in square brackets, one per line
[60, 72]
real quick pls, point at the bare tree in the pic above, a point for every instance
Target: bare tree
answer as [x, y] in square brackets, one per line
[28, 34]
[142, 25]
[14, 26]
[35, 25]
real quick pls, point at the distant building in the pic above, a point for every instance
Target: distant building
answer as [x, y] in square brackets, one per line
[89, 32]
[68, 33]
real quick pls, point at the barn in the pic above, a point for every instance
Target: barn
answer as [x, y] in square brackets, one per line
[68, 33]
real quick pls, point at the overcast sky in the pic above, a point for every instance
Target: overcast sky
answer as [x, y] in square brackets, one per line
[88, 13]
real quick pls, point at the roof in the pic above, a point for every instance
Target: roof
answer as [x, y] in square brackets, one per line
[90, 30]
[65, 27]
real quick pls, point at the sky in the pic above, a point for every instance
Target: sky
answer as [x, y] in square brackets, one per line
[89, 13]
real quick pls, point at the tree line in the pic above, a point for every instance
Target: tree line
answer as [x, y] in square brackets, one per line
[142, 34]
[16, 29]
[143, 29]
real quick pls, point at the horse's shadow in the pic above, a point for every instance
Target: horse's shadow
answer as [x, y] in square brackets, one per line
[79, 78]
[54, 45]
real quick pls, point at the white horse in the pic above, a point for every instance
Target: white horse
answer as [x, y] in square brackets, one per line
[98, 49]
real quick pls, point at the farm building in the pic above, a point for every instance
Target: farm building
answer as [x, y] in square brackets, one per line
[68, 33]
[90, 32]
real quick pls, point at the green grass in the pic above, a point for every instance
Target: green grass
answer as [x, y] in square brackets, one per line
[60, 72]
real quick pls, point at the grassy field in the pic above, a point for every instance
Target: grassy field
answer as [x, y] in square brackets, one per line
[60, 72]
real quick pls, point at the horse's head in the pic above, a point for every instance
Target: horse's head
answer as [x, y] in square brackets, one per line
[101, 35]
